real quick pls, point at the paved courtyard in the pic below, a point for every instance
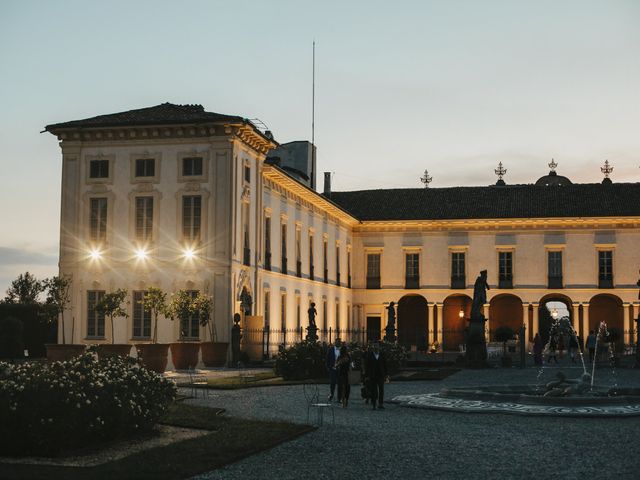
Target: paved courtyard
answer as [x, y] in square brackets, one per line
[402, 442]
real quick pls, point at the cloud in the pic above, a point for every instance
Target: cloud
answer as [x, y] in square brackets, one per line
[24, 257]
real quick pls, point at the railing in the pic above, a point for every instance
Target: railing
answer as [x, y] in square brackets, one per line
[298, 268]
[554, 282]
[267, 261]
[411, 282]
[458, 282]
[283, 265]
[373, 282]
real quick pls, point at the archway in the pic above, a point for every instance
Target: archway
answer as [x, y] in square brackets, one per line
[607, 308]
[413, 318]
[552, 306]
[453, 324]
[505, 310]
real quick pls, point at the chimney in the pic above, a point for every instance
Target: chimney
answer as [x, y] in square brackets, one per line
[327, 184]
[268, 134]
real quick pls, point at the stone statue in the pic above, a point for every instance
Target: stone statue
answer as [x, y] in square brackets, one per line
[312, 312]
[479, 295]
[390, 329]
[312, 329]
[476, 351]
[564, 387]
[246, 302]
[236, 336]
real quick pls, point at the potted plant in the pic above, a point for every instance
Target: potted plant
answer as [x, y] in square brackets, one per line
[58, 298]
[183, 353]
[154, 354]
[111, 306]
[214, 354]
[504, 334]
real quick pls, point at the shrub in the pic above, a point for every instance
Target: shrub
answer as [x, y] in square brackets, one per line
[11, 338]
[307, 360]
[45, 409]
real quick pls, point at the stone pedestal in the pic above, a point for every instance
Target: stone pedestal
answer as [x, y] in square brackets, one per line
[476, 351]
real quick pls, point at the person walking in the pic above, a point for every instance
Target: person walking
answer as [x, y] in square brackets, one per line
[376, 368]
[332, 357]
[591, 345]
[573, 347]
[537, 350]
[343, 365]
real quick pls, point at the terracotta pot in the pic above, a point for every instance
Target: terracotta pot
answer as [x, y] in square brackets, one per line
[61, 352]
[184, 355]
[113, 349]
[214, 354]
[153, 355]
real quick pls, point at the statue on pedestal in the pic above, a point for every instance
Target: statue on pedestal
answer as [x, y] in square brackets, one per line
[476, 351]
[390, 329]
[236, 336]
[312, 329]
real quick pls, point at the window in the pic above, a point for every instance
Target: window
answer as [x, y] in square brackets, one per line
[145, 167]
[311, 257]
[141, 317]
[267, 309]
[349, 268]
[246, 257]
[298, 314]
[412, 270]
[337, 319]
[283, 312]
[95, 319]
[247, 174]
[190, 324]
[298, 252]
[99, 169]
[505, 269]
[267, 243]
[191, 217]
[458, 279]
[283, 246]
[325, 260]
[144, 219]
[337, 265]
[605, 269]
[373, 270]
[324, 315]
[98, 219]
[555, 269]
[192, 167]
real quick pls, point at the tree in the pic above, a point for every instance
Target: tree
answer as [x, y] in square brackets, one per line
[203, 305]
[111, 306]
[58, 297]
[181, 306]
[25, 289]
[155, 301]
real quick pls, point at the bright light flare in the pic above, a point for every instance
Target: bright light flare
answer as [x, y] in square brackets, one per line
[188, 253]
[461, 313]
[141, 254]
[95, 254]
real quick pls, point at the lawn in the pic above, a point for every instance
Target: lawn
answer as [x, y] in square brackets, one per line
[229, 440]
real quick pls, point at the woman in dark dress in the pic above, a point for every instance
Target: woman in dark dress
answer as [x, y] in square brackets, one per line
[343, 365]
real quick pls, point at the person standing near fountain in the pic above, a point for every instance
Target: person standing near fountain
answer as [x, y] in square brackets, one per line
[591, 345]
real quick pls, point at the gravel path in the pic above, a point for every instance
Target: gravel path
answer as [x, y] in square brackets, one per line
[402, 442]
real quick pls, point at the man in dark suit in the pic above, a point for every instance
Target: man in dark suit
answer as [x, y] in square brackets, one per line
[332, 356]
[376, 371]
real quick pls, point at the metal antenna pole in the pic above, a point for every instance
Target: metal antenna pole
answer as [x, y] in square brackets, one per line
[313, 114]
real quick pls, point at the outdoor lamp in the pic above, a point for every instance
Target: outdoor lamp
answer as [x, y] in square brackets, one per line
[141, 254]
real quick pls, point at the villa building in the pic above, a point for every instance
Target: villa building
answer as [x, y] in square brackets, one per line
[179, 198]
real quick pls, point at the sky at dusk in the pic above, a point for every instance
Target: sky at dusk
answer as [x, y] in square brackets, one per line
[450, 86]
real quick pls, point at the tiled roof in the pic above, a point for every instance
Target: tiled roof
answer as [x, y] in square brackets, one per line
[164, 114]
[512, 201]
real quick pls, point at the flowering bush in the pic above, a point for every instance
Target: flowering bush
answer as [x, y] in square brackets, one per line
[48, 408]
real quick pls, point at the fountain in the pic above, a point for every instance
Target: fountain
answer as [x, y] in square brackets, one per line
[573, 397]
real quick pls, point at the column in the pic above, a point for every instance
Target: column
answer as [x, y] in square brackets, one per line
[585, 321]
[439, 324]
[487, 325]
[535, 327]
[525, 321]
[430, 324]
[626, 326]
[575, 318]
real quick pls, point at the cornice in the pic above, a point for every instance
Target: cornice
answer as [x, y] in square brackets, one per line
[567, 223]
[111, 135]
